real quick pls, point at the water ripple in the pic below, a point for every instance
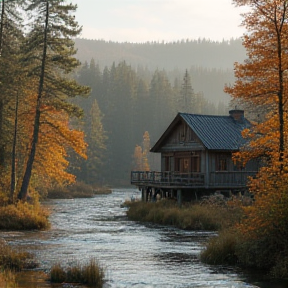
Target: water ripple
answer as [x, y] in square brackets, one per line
[135, 255]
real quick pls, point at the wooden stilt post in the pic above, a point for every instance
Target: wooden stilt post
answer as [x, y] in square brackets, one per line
[153, 199]
[179, 197]
[172, 193]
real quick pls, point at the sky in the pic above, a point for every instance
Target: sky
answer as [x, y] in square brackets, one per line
[158, 20]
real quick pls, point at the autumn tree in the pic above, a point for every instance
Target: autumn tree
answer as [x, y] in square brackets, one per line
[141, 154]
[262, 82]
[262, 79]
[49, 51]
[138, 158]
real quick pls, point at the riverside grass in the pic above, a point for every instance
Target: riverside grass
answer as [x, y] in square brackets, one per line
[91, 274]
[77, 190]
[191, 216]
[7, 279]
[23, 216]
[14, 259]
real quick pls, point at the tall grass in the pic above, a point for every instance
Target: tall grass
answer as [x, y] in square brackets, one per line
[7, 279]
[91, 274]
[23, 216]
[77, 190]
[188, 217]
[221, 249]
[13, 259]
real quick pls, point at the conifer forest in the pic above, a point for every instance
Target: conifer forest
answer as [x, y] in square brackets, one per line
[134, 102]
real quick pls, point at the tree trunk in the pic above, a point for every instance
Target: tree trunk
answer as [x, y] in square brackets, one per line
[13, 164]
[22, 195]
[2, 146]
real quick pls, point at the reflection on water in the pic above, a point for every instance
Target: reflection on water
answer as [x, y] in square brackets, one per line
[134, 255]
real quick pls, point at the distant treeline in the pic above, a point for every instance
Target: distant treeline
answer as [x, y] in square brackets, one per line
[210, 64]
[125, 102]
[181, 54]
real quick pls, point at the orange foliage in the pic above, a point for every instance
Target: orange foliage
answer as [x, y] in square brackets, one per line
[141, 155]
[262, 82]
[269, 212]
[262, 79]
[55, 139]
[138, 158]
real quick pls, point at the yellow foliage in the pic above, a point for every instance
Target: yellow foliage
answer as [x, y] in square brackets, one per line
[262, 82]
[55, 139]
[141, 154]
[22, 216]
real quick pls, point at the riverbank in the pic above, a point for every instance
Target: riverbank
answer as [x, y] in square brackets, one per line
[77, 190]
[134, 255]
[213, 215]
[234, 244]
[33, 216]
[11, 261]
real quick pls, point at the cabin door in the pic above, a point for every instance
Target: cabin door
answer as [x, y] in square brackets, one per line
[183, 165]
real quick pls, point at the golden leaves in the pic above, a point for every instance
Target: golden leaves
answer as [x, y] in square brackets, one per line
[262, 82]
[55, 138]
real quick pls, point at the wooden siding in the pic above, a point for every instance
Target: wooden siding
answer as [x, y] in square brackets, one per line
[182, 139]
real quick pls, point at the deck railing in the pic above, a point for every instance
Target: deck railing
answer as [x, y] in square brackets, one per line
[216, 179]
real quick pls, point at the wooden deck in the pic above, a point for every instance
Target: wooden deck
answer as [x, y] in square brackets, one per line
[177, 180]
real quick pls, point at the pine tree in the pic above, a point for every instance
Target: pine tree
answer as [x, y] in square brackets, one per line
[187, 94]
[10, 40]
[96, 139]
[49, 51]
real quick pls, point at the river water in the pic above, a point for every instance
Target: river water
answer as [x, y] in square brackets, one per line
[133, 254]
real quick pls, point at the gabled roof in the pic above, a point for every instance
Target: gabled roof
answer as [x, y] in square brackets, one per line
[215, 132]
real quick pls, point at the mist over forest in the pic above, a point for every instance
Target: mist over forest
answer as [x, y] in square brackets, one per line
[137, 90]
[210, 64]
[180, 55]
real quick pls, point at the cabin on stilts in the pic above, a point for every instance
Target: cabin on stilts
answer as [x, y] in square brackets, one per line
[196, 158]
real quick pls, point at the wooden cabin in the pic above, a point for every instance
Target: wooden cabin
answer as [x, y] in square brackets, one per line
[196, 158]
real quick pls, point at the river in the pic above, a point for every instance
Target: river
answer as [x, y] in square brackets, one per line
[133, 254]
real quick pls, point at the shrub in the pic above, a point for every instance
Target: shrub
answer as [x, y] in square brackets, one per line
[91, 274]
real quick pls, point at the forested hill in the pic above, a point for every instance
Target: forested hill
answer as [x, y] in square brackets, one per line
[181, 54]
[137, 89]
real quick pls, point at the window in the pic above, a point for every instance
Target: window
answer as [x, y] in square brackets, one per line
[222, 163]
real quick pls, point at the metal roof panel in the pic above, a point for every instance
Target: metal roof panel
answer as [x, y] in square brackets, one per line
[217, 132]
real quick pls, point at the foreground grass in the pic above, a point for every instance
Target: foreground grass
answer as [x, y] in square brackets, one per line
[14, 259]
[7, 279]
[77, 190]
[91, 274]
[188, 217]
